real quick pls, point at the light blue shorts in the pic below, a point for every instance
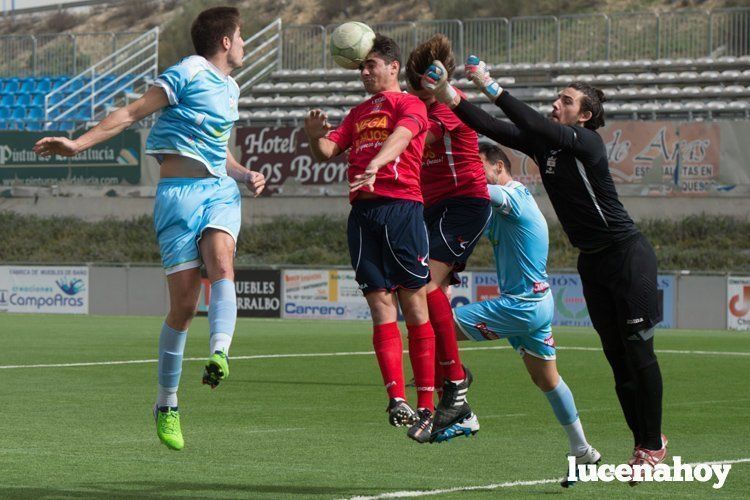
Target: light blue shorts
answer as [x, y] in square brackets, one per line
[184, 208]
[526, 324]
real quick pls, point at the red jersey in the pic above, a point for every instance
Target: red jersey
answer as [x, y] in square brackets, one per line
[451, 166]
[366, 128]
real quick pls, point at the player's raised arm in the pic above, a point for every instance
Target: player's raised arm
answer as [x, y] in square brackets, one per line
[435, 80]
[153, 100]
[316, 128]
[526, 118]
[392, 147]
[255, 181]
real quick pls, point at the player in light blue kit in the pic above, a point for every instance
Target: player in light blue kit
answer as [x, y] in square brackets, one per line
[523, 312]
[197, 208]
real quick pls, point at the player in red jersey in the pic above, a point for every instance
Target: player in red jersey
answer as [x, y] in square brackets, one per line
[387, 237]
[457, 209]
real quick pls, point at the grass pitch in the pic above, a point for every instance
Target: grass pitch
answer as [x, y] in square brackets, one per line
[294, 423]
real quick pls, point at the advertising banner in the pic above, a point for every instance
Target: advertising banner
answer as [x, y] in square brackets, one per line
[738, 303]
[652, 159]
[44, 289]
[318, 294]
[570, 304]
[112, 162]
[463, 293]
[646, 158]
[258, 293]
[283, 155]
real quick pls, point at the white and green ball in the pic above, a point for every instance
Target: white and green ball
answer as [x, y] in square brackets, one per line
[350, 44]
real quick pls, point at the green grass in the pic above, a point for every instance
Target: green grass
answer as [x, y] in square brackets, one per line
[698, 243]
[315, 427]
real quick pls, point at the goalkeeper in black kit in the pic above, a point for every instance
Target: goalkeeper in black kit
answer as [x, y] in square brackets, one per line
[616, 262]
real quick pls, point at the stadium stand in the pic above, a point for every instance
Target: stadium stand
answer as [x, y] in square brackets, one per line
[680, 89]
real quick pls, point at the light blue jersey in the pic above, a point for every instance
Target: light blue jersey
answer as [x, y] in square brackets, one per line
[202, 110]
[520, 240]
[523, 312]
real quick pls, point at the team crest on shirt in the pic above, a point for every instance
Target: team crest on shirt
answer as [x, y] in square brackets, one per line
[486, 332]
[423, 260]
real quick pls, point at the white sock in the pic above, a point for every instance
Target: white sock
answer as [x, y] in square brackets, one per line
[219, 342]
[576, 438]
[167, 396]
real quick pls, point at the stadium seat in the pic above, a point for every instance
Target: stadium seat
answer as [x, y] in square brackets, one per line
[37, 99]
[23, 99]
[44, 85]
[28, 85]
[11, 86]
[18, 113]
[8, 100]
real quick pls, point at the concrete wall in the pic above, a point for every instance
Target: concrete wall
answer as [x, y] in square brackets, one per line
[700, 300]
[134, 291]
[257, 210]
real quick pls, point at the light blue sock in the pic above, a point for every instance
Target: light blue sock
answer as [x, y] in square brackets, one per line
[562, 402]
[222, 315]
[564, 407]
[171, 347]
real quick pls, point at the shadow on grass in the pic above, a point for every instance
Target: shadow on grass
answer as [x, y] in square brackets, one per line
[171, 489]
[302, 382]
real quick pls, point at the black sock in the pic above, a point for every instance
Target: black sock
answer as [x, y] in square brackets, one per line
[649, 405]
[626, 389]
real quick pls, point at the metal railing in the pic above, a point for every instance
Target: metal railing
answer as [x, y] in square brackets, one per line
[56, 53]
[587, 37]
[262, 55]
[91, 94]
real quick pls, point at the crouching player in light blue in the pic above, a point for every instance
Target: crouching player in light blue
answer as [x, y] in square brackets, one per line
[197, 208]
[523, 312]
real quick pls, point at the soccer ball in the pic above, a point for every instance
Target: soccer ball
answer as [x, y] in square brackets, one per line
[350, 44]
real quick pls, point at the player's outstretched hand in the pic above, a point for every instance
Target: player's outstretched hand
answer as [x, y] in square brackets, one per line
[435, 81]
[476, 70]
[255, 182]
[62, 146]
[316, 124]
[365, 179]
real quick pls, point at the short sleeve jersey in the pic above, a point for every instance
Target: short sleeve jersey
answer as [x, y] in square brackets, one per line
[366, 128]
[202, 110]
[451, 166]
[520, 241]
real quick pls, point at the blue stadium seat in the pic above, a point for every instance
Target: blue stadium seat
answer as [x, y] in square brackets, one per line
[11, 86]
[59, 82]
[18, 113]
[37, 99]
[66, 125]
[23, 99]
[28, 85]
[35, 113]
[8, 100]
[44, 85]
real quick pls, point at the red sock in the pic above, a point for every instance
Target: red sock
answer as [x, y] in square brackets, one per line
[441, 317]
[422, 356]
[389, 350]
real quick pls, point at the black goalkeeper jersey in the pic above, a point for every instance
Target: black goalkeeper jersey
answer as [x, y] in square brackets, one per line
[573, 164]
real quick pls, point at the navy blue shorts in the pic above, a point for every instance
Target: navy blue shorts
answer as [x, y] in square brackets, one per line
[388, 244]
[455, 226]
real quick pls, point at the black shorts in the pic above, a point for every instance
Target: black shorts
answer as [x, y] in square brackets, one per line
[619, 284]
[388, 244]
[455, 226]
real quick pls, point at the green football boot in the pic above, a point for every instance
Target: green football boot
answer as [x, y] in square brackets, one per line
[217, 369]
[168, 427]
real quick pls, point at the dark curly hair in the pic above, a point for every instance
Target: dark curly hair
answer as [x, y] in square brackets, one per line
[593, 98]
[436, 48]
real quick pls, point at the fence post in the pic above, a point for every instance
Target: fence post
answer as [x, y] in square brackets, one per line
[510, 41]
[658, 36]
[608, 37]
[74, 45]
[33, 55]
[557, 30]
[710, 33]
[325, 46]
[279, 48]
[461, 39]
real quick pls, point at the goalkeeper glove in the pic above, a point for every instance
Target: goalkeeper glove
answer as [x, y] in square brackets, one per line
[435, 80]
[476, 71]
